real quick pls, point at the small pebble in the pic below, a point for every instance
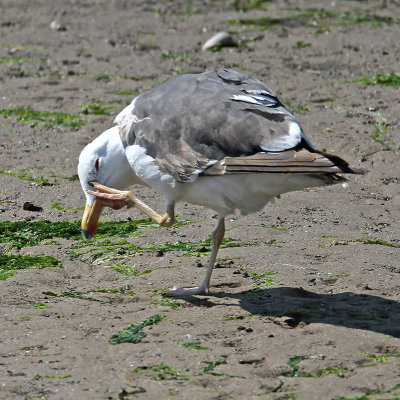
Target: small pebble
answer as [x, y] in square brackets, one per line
[28, 206]
[221, 39]
[56, 26]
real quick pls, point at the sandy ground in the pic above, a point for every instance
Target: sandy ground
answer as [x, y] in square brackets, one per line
[326, 327]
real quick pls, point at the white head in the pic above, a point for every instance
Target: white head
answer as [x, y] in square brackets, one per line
[103, 161]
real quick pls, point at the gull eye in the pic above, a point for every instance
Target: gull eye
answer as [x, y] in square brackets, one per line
[97, 164]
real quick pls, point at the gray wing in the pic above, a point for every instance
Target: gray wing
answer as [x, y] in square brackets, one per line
[193, 121]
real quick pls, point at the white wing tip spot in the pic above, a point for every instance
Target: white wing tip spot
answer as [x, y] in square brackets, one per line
[295, 130]
[246, 99]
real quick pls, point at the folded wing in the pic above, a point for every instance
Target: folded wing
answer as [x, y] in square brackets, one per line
[219, 122]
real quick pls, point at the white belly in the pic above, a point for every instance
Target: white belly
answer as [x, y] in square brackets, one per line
[247, 193]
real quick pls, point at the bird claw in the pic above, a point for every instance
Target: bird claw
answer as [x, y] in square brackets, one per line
[166, 221]
[177, 292]
[112, 198]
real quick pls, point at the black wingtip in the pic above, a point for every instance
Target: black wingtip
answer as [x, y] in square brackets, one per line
[342, 164]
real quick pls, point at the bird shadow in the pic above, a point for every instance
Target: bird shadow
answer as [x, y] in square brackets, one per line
[296, 307]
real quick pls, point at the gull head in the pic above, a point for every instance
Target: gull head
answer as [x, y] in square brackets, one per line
[103, 161]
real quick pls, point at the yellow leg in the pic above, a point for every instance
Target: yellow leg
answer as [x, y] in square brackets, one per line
[118, 199]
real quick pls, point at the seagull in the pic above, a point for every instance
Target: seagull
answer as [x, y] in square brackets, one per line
[219, 139]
